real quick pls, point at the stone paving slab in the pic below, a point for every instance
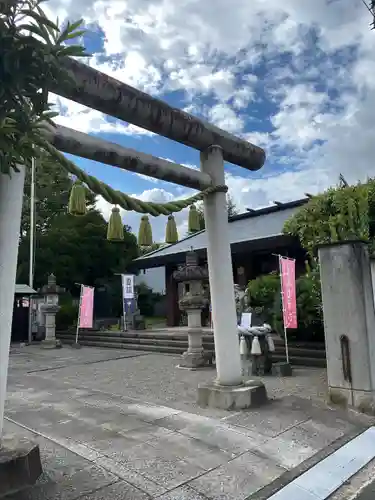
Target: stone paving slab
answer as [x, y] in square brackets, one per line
[133, 425]
[35, 358]
[238, 478]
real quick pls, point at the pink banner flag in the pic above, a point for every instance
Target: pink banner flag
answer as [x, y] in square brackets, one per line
[288, 291]
[86, 311]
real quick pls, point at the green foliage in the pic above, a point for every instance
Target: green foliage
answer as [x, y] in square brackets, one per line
[151, 248]
[75, 249]
[66, 317]
[261, 293]
[309, 309]
[264, 295]
[147, 299]
[339, 214]
[231, 207]
[31, 52]
[52, 188]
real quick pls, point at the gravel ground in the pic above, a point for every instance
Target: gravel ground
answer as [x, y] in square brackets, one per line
[153, 377]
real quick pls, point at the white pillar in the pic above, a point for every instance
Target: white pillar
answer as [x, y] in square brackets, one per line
[11, 195]
[228, 361]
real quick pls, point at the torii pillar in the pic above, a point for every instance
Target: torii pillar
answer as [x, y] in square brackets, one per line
[228, 391]
[11, 197]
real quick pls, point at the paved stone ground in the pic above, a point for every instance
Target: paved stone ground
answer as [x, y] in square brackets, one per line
[124, 425]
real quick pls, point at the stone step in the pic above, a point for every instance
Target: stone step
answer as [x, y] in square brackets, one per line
[132, 347]
[166, 349]
[182, 343]
[178, 336]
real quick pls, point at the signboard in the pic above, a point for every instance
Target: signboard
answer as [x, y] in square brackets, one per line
[127, 286]
[288, 291]
[128, 295]
[86, 309]
[246, 320]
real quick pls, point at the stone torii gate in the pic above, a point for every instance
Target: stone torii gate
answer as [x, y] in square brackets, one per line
[112, 97]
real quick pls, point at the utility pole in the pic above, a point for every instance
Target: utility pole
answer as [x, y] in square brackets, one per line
[32, 245]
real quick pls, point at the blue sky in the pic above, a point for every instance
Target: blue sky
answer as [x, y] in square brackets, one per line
[295, 77]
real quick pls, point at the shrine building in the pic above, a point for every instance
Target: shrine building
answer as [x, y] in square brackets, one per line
[256, 238]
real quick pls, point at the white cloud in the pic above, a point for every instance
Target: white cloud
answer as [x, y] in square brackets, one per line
[295, 77]
[226, 118]
[84, 119]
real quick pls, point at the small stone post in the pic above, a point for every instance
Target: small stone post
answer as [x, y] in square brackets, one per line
[50, 308]
[228, 390]
[349, 323]
[11, 196]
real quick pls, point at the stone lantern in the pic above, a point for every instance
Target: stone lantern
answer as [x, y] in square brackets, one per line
[193, 301]
[50, 308]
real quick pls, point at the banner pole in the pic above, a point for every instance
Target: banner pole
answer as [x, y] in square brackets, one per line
[123, 302]
[79, 315]
[283, 307]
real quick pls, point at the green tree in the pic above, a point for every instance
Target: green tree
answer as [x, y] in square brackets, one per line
[76, 250]
[52, 189]
[151, 248]
[339, 214]
[231, 207]
[32, 50]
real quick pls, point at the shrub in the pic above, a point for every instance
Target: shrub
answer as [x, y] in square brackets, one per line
[339, 214]
[66, 317]
[147, 299]
[309, 309]
[264, 296]
[261, 293]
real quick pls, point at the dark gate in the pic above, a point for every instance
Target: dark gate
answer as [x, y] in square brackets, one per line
[20, 325]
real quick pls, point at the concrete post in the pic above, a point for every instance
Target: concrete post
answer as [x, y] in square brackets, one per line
[349, 323]
[228, 391]
[228, 361]
[11, 196]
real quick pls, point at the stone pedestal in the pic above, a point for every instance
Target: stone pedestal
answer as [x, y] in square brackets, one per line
[282, 369]
[20, 464]
[50, 341]
[246, 395]
[349, 324]
[193, 358]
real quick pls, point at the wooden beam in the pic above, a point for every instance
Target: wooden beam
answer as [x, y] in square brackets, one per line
[112, 97]
[87, 146]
